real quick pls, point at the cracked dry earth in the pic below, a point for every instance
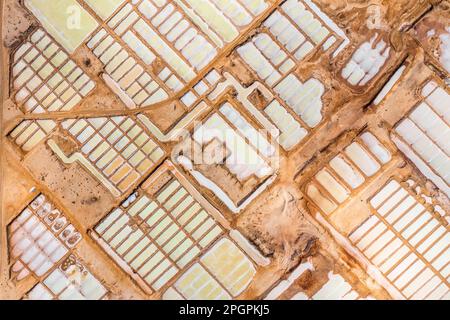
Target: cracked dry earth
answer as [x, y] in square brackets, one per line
[240, 149]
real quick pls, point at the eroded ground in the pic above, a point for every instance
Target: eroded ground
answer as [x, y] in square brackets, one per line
[242, 149]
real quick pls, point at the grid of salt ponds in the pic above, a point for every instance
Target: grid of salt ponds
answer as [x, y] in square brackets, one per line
[65, 20]
[366, 62]
[118, 147]
[170, 34]
[222, 273]
[266, 58]
[39, 238]
[291, 130]
[29, 133]
[337, 288]
[201, 89]
[291, 33]
[156, 236]
[361, 160]
[144, 32]
[70, 281]
[104, 8]
[249, 151]
[45, 78]
[425, 135]
[305, 99]
[407, 243]
[225, 18]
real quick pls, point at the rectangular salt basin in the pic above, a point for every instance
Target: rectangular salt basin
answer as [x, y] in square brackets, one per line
[104, 8]
[68, 22]
[215, 19]
[362, 159]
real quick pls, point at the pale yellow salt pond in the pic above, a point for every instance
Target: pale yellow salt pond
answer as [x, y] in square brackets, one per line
[104, 8]
[68, 22]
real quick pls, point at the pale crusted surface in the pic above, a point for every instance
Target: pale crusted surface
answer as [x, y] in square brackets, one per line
[276, 212]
